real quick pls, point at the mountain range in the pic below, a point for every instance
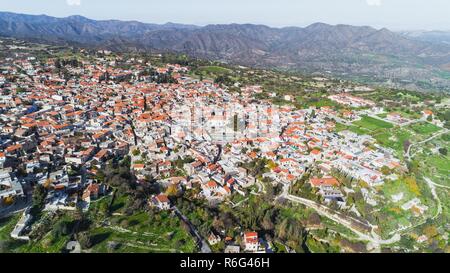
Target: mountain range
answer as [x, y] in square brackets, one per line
[439, 37]
[351, 51]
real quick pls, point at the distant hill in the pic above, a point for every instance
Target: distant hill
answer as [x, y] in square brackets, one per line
[351, 51]
[439, 37]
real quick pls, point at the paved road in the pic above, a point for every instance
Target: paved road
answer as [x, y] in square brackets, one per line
[204, 247]
[374, 239]
[17, 207]
[261, 187]
[439, 185]
[432, 186]
[408, 152]
[238, 203]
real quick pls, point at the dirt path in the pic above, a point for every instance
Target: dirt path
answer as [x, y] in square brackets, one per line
[432, 186]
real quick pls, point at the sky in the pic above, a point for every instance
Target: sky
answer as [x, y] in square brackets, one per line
[392, 14]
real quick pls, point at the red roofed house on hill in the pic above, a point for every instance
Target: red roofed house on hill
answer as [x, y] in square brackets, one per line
[91, 192]
[321, 182]
[161, 201]
[328, 188]
[251, 241]
[2, 159]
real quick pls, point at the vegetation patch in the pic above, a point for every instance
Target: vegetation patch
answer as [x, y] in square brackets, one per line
[424, 128]
[372, 123]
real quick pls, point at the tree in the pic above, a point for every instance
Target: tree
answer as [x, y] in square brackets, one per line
[224, 79]
[172, 190]
[407, 242]
[406, 145]
[4, 246]
[61, 228]
[8, 200]
[112, 246]
[267, 222]
[100, 176]
[39, 195]
[430, 231]
[125, 223]
[334, 204]
[85, 240]
[235, 122]
[146, 108]
[82, 222]
[292, 232]
[281, 229]
[314, 219]
[104, 209]
[385, 170]
[413, 166]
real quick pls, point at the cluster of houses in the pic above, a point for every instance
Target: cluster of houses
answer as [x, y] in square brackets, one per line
[59, 132]
[9, 187]
[219, 131]
[251, 243]
[349, 100]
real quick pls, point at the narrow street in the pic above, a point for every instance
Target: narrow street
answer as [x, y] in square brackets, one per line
[17, 207]
[203, 245]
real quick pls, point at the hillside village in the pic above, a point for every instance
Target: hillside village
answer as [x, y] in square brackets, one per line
[65, 121]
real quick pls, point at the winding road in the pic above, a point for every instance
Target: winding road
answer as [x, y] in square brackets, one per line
[374, 239]
[432, 186]
[438, 185]
[408, 152]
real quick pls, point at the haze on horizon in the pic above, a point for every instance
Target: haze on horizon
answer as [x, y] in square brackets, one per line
[392, 14]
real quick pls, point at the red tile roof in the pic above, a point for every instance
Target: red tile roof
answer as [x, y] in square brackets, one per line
[329, 181]
[251, 237]
[162, 198]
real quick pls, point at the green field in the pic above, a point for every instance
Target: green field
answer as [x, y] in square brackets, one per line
[359, 130]
[140, 233]
[213, 70]
[7, 225]
[48, 244]
[393, 139]
[389, 136]
[436, 167]
[372, 124]
[340, 127]
[440, 168]
[384, 133]
[424, 128]
[402, 185]
[391, 216]
[324, 102]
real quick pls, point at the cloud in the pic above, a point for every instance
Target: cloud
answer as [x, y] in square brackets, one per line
[73, 2]
[375, 3]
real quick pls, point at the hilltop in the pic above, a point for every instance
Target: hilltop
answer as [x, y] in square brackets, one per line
[355, 52]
